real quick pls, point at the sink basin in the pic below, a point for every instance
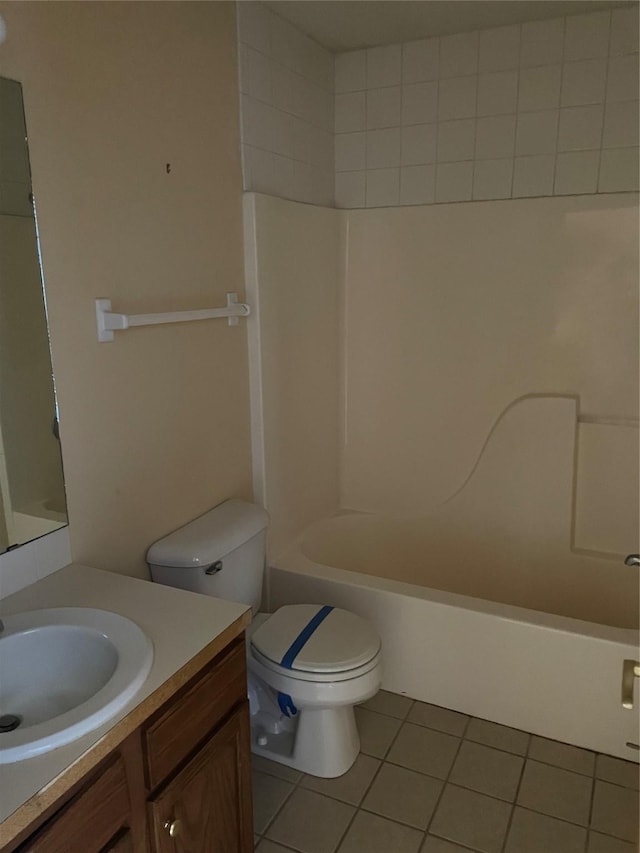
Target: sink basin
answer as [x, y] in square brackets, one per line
[64, 672]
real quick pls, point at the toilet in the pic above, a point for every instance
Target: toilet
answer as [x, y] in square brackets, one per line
[308, 665]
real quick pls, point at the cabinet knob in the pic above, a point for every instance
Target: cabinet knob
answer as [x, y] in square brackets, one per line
[173, 827]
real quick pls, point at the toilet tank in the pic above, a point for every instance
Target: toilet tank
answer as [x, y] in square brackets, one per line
[221, 553]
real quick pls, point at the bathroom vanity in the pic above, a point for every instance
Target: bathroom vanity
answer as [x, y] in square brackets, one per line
[172, 772]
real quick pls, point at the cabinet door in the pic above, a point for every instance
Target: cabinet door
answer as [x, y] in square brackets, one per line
[122, 844]
[207, 806]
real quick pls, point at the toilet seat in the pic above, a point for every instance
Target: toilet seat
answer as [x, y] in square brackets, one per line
[332, 644]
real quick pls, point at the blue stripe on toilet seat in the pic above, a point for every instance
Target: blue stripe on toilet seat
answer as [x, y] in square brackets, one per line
[294, 649]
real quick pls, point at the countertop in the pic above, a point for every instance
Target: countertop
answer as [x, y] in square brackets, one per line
[187, 630]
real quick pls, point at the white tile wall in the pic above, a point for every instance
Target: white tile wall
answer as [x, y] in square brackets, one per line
[287, 108]
[547, 107]
[542, 108]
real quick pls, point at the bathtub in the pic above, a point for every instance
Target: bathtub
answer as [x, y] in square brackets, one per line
[549, 673]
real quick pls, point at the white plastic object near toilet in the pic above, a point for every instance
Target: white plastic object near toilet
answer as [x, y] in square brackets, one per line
[308, 665]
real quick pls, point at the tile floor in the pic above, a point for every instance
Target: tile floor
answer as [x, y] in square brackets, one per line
[429, 780]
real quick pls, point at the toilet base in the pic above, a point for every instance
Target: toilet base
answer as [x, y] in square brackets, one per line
[320, 741]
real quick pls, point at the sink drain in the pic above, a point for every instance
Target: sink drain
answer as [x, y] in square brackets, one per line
[9, 722]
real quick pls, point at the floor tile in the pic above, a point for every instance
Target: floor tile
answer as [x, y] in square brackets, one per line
[438, 718]
[471, 819]
[263, 765]
[555, 792]
[535, 833]
[352, 786]
[439, 845]
[562, 755]
[501, 737]
[626, 773]
[403, 795]
[606, 844]
[377, 732]
[269, 794]
[311, 823]
[372, 834]
[487, 770]
[615, 811]
[424, 750]
[267, 846]
[391, 704]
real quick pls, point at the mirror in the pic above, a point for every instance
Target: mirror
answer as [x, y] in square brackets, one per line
[32, 498]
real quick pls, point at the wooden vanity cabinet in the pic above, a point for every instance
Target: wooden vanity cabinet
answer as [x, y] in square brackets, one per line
[180, 783]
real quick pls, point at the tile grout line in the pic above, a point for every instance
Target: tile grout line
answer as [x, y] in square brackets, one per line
[525, 758]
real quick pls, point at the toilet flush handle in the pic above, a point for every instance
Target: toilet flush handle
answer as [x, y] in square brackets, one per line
[214, 568]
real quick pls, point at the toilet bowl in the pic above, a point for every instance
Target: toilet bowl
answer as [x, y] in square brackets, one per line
[305, 717]
[308, 664]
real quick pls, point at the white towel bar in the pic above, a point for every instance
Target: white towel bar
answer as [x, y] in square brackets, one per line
[109, 321]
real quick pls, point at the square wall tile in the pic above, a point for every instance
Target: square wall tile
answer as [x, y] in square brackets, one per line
[622, 78]
[539, 88]
[384, 66]
[417, 184]
[383, 148]
[497, 93]
[403, 795]
[620, 125]
[383, 107]
[441, 719]
[383, 190]
[418, 144]
[457, 97]
[492, 179]
[350, 112]
[542, 42]
[350, 189]
[471, 819]
[378, 835]
[255, 74]
[495, 137]
[350, 71]
[419, 103]
[456, 140]
[624, 31]
[499, 48]
[420, 60]
[577, 173]
[533, 176]
[459, 55]
[534, 833]
[454, 182]
[258, 170]
[615, 811]
[254, 25]
[587, 36]
[580, 128]
[350, 151]
[536, 133]
[555, 792]
[583, 82]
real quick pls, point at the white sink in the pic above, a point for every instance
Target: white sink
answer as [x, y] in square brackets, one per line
[64, 672]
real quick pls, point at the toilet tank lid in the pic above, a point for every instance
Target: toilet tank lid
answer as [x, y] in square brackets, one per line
[210, 537]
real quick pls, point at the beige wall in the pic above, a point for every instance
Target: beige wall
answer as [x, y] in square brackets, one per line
[294, 272]
[154, 426]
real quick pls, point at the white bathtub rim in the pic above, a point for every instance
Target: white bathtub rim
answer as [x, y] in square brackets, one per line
[294, 560]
